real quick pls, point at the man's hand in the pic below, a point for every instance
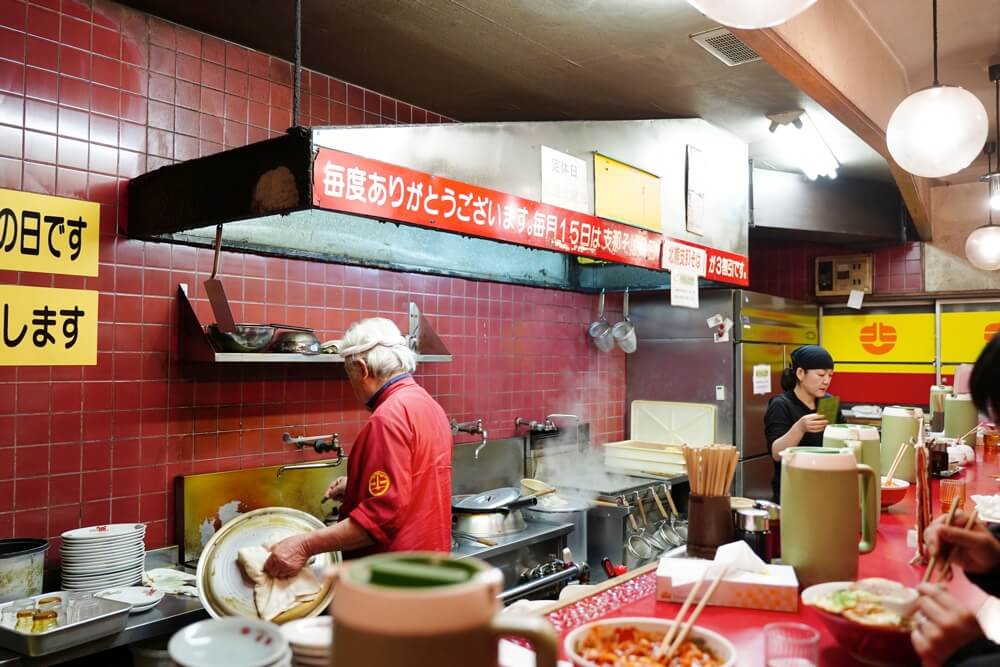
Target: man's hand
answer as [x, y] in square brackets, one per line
[942, 626]
[979, 551]
[812, 423]
[288, 556]
[336, 490]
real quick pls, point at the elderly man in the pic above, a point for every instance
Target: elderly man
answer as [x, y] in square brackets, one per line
[397, 492]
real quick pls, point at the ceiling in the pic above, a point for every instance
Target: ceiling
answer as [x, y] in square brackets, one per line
[968, 42]
[481, 60]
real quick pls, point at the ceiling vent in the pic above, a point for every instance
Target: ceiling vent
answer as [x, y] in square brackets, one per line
[725, 46]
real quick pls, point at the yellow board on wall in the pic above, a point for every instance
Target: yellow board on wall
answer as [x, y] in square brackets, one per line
[45, 326]
[45, 234]
[626, 194]
[963, 335]
[903, 338]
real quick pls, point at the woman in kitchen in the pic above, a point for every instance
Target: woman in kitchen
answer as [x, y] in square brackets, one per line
[397, 493]
[791, 419]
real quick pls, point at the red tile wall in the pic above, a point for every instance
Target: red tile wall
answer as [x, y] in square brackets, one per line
[789, 269]
[92, 94]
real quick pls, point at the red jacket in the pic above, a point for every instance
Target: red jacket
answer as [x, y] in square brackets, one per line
[399, 473]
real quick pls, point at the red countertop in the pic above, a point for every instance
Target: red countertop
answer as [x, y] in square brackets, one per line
[744, 627]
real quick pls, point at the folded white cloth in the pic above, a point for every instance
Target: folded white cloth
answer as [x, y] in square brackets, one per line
[171, 581]
[271, 596]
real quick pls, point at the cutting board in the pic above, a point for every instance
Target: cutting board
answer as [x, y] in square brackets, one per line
[206, 502]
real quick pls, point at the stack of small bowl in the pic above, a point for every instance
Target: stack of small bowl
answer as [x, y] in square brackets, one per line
[99, 557]
[310, 640]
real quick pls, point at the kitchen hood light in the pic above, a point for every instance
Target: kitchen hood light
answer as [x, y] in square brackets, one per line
[937, 131]
[802, 144]
[751, 14]
[983, 245]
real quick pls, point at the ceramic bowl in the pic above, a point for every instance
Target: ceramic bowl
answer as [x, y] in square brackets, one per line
[228, 641]
[870, 645]
[716, 643]
[893, 494]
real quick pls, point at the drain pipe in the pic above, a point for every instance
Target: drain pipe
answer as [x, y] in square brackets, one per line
[297, 74]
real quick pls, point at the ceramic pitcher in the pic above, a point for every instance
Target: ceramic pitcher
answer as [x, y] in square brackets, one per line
[960, 417]
[413, 609]
[820, 518]
[900, 425]
[864, 442]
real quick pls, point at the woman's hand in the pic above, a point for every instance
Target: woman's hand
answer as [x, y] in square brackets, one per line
[979, 551]
[288, 556]
[812, 423]
[942, 626]
[336, 490]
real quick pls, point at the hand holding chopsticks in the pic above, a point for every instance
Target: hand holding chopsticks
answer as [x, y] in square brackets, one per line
[972, 545]
[947, 521]
[673, 640]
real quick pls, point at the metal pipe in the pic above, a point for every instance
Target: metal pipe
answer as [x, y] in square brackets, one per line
[297, 73]
[573, 571]
[309, 466]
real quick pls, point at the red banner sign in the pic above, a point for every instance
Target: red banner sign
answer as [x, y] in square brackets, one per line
[352, 184]
[711, 263]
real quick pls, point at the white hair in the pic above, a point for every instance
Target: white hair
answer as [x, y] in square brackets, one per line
[378, 342]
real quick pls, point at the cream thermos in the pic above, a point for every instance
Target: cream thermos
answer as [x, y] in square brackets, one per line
[900, 426]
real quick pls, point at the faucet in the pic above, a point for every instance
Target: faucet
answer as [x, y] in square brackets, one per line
[472, 428]
[321, 444]
[536, 427]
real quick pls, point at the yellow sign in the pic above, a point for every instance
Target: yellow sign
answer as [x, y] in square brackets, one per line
[884, 339]
[44, 326]
[963, 335]
[46, 234]
[626, 194]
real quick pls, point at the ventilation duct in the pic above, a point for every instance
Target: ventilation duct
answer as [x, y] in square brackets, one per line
[725, 46]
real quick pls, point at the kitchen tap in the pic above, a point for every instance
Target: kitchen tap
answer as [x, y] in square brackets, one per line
[333, 463]
[321, 444]
[472, 428]
[536, 427]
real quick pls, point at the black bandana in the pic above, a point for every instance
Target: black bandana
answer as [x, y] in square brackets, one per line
[809, 357]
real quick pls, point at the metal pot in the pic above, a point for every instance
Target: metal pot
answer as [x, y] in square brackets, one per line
[246, 337]
[300, 341]
[489, 524]
[560, 509]
[22, 563]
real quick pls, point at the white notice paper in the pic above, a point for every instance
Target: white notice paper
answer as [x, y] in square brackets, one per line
[684, 288]
[714, 321]
[855, 299]
[564, 181]
[761, 379]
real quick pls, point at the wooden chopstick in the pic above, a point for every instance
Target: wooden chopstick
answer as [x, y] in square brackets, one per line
[896, 461]
[930, 567]
[697, 612]
[669, 637]
[951, 553]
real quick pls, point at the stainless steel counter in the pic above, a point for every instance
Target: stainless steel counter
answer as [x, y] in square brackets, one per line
[533, 532]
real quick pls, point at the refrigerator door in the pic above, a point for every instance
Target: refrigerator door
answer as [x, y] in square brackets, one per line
[684, 370]
[771, 319]
[753, 478]
[656, 319]
[750, 404]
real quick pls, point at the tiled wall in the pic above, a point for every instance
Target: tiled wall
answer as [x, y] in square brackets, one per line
[788, 269]
[91, 94]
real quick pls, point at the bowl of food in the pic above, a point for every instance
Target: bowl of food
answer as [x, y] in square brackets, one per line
[631, 642]
[870, 618]
[893, 492]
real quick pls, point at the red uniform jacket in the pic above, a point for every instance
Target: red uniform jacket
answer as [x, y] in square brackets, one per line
[399, 473]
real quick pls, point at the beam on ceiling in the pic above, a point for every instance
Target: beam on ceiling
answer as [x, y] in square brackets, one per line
[851, 73]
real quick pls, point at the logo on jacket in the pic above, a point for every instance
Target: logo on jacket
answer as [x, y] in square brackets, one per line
[379, 483]
[991, 330]
[878, 338]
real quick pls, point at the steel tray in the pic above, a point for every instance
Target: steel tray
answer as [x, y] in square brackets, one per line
[110, 619]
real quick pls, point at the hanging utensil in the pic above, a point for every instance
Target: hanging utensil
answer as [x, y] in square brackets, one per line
[624, 331]
[224, 321]
[658, 543]
[663, 527]
[679, 525]
[599, 330]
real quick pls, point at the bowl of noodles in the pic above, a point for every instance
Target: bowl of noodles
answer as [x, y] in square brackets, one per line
[870, 619]
[631, 642]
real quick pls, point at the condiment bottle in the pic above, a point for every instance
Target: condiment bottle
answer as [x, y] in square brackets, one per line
[774, 526]
[25, 620]
[938, 457]
[43, 620]
[752, 527]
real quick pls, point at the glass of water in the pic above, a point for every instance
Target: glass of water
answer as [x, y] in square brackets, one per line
[791, 645]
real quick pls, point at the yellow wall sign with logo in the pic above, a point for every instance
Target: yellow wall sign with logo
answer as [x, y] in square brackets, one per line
[963, 336]
[626, 194]
[905, 339]
[43, 326]
[45, 234]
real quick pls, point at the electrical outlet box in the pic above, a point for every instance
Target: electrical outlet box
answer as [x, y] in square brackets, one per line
[838, 276]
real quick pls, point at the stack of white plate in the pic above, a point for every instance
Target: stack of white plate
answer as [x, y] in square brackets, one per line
[310, 640]
[100, 557]
[230, 641]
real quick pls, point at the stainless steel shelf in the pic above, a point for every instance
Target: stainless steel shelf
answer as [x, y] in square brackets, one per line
[291, 358]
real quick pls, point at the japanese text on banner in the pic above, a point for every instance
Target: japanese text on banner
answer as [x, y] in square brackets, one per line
[46, 234]
[353, 184]
[706, 262]
[43, 326]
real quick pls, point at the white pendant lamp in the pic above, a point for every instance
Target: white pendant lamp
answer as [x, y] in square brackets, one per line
[937, 131]
[751, 14]
[992, 176]
[983, 245]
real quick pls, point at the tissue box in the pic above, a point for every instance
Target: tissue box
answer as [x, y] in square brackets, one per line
[775, 590]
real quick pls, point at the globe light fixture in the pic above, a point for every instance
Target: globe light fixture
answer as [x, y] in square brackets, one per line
[982, 248]
[937, 131]
[992, 176]
[802, 144]
[751, 14]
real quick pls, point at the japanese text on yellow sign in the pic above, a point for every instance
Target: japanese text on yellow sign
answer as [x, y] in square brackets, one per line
[46, 234]
[42, 326]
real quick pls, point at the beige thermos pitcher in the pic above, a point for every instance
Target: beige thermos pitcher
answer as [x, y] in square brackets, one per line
[413, 609]
[820, 519]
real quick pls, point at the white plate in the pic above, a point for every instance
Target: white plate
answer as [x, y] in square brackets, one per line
[105, 564]
[106, 574]
[228, 641]
[91, 533]
[113, 550]
[101, 546]
[137, 596]
[221, 587]
[309, 633]
[125, 579]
